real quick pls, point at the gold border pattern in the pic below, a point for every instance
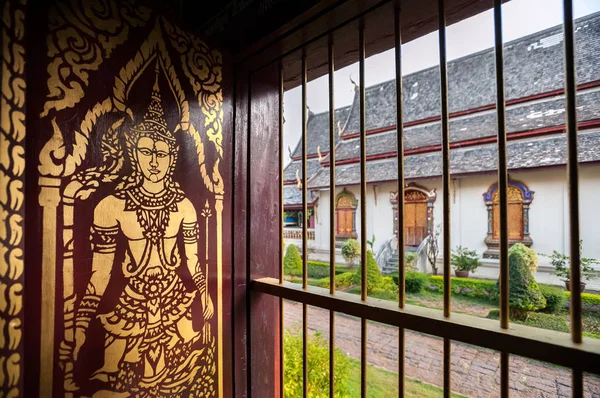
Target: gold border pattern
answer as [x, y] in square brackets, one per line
[12, 169]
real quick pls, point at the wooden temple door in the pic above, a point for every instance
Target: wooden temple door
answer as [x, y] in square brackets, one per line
[415, 218]
[415, 227]
[345, 221]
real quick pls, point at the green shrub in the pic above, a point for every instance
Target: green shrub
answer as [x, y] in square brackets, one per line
[388, 285]
[547, 321]
[415, 282]
[292, 262]
[383, 294]
[318, 367]
[317, 270]
[524, 295]
[539, 320]
[351, 251]
[374, 277]
[463, 259]
[562, 265]
[587, 299]
[478, 288]
[344, 280]
[555, 298]
[409, 261]
[323, 282]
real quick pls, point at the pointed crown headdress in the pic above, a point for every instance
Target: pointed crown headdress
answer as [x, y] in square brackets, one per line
[154, 124]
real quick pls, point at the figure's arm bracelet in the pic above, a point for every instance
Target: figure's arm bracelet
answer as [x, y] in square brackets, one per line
[103, 239]
[191, 232]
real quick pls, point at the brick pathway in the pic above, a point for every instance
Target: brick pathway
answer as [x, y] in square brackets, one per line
[475, 371]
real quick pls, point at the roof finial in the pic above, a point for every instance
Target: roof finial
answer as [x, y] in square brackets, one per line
[354, 83]
[298, 178]
[290, 151]
[319, 152]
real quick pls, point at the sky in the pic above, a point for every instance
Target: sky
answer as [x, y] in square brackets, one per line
[520, 18]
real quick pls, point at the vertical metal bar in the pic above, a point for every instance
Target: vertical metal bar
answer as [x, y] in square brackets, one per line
[363, 206]
[572, 170]
[445, 182]
[445, 154]
[502, 173]
[577, 388]
[331, 218]
[400, 152]
[502, 190]
[573, 176]
[447, 385]
[400, 191]
[304, 232]
[281, 243]
[504, 379]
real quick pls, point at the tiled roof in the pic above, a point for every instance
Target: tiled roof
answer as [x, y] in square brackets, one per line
[312, 167]
[525, 153]
[292, 196]
[532, 65]
[318, 131]
[522, 117]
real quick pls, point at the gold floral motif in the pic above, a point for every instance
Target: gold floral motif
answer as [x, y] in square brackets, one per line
[203, 67]
[12, 168]
[415, 196]
[83, 34]
[514, 195]
[344, 202]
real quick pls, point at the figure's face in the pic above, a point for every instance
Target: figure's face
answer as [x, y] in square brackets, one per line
[154, 158]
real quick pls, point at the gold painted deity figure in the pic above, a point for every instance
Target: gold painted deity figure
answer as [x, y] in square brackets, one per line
[150, 342]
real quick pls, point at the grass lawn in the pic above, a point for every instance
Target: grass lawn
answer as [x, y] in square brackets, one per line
[382, 384]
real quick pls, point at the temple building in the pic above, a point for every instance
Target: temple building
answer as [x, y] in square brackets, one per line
[536, 156]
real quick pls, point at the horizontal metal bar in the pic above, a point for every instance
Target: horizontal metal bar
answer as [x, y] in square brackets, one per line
[539, 344]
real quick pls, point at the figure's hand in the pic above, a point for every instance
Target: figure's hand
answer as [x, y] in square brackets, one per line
[79, 340]
[207, 306]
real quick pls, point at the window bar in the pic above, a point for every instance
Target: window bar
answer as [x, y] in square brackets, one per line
[400, 191]
[281, 223]
[573, 177]
[573, 171]
[304, 232]
[445, 183]
[331, 217]
[502, 190]
[363, 207]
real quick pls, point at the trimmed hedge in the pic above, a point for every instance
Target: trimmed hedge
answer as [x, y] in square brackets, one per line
[319, 269]
[538, 320]
[555, 298]
[414, 282]
[341, 280]
[478, 288]
[587, 299]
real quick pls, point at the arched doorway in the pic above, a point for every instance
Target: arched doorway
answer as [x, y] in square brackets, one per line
[418, 213]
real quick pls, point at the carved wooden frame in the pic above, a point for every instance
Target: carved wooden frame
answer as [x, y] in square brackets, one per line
[492, 243]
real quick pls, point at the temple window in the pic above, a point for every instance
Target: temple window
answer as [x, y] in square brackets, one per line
[519, 199]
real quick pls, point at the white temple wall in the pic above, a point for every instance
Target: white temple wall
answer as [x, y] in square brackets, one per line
[548, 215]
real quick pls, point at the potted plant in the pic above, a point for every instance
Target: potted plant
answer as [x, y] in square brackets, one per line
[562, 267]
[464, 260]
